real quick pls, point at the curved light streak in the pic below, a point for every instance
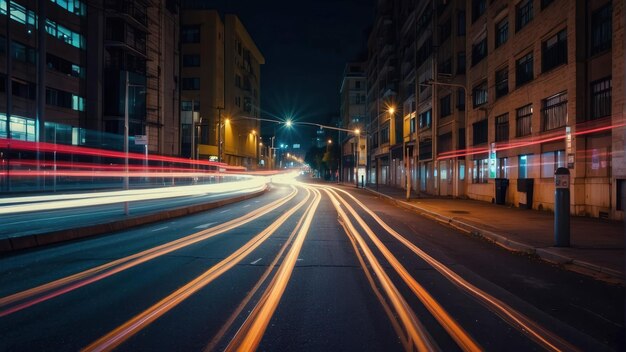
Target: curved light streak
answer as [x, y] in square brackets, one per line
[58, 287]
[540, 335]
[145, 318]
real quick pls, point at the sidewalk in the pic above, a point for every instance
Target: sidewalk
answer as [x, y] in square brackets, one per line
[597, 246]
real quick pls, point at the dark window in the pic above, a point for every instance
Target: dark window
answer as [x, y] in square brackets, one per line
[444, 143]
[23, 53]
[524, 70]
[502, 128]
[460, 63]
[425, 119]
[192, 83]
[601, 28]
[425, 50]
[357, 85]
[461, 138]
[601, 98]
[191, 60]
[523, 120]
[384, 135]
[479, 51]
[621, 195]
[25, 90]
[502, 82]
[445, 30]
[186, 105]
[478, 8]
[545, 3]
[479, 132]
[63, 66]
[190, 34]
[555, 111]
[444, 106]
[502, 32]
[446, 66]
[460, 23]
[425, 150]
[58, 98]
[460, 99]
[554, 51]
[480, 94]
[523, 14]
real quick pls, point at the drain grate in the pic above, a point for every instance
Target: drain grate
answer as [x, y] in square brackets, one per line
[459, 211]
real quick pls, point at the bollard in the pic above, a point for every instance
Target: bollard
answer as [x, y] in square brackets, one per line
[362, 181]
[561, 208]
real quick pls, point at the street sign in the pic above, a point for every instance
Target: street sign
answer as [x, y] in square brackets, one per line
[141, 139]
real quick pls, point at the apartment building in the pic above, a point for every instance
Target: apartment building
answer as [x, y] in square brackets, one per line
[79, 91]
[352, 117]
[547, 91]
[220, 87]
[42, 96]
[384, 126]
[504, 92]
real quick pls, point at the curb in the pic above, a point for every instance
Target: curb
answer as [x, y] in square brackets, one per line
[12, 244]
[506, 243]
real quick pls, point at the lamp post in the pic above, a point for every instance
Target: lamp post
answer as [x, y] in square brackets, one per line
[126, 185]
[126, 133]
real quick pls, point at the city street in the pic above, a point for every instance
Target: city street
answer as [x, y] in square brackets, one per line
[306, 267]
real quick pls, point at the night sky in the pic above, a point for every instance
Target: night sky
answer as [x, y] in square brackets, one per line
[306, 45]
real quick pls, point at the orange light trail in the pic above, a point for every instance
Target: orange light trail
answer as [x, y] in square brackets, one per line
[516, 319]
[140, 321]
[58, 287]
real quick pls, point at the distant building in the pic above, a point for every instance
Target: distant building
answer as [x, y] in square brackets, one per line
[221, 82]
[353, 114]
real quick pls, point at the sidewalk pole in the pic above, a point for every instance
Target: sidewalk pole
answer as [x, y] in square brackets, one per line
[561, 208]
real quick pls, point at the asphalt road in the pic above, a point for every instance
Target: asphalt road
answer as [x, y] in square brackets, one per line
[300, 268]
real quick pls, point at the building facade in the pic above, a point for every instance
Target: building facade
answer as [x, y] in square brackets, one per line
[220, 88]
[542, 75]
[504, 92]
[78, 93]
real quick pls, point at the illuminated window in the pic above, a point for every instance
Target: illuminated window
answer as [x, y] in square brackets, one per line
[555, 111]
[480, 171]
[523, 166]
[550, 161]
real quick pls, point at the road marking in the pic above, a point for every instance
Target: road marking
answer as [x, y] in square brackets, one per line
[159, 229]
[204, 226]
[250, 333]
[256, 261]
[247, 205]
[223, 211]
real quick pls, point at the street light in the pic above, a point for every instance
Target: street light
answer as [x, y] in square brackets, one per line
[126, 132]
